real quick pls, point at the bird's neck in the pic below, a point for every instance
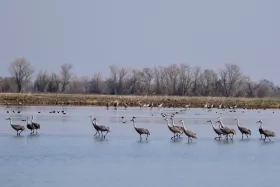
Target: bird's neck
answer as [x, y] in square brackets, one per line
[168, 123]
[134, 125]
[238, 123]
[173, 123]
[183, 124]
[11, 121]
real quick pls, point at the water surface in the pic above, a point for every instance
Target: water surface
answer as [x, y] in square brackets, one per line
[65, 152]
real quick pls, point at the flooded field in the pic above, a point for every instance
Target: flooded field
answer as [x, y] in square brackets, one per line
[65, 151]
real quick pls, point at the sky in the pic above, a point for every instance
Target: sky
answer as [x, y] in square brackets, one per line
[94, 34]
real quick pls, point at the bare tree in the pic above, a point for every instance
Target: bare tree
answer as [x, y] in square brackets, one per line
[54, 83]
[209, 81]
[147, 78]
[65, 75]
[21, 70]
[41, 81]
[231, 77]
[96, 84]
[185, 78]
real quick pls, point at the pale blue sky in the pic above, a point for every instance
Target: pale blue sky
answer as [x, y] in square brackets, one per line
[94, 34]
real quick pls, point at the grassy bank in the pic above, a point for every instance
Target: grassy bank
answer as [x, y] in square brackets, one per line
[102, 100]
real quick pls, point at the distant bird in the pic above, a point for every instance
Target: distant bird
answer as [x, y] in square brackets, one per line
[18, 128]
[243, 130]
[187, 132]
[216, 130]
[226, 130]
[174, 130]
[123, 120]
[140, 130]
[29, 126]
[125, 105]
[96, 127]
[265, 132]
[35, 125]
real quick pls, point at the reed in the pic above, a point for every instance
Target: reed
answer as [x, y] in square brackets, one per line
[132, 100]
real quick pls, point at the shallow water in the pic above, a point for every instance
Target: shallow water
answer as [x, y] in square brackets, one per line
[65, 152]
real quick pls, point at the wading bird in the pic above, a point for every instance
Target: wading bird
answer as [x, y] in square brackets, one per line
[243, 130]
[266, 133]
[18, 128]
[187, 132]
[140, 130]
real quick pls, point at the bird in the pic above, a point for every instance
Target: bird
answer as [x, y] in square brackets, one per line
[35, 125]
[227, 131]
[29, 125]
[243, 130]
[123, 120]
[102, 129]
[140, 130]
[216, 130]
[174, 130]
[266, 133]
[16, 127]
[93, 121]
[179, 127]
[187, 132]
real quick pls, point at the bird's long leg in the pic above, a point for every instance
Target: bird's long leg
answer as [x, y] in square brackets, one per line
[20, 132]
[242, 136]
[105, 134]
[101, 134]
[247, 135]
[17, 133]
[269, 138]
[261, 137]
[264, 138]
[180, 134]
[147, 137]
[140, 137]
[95, 133]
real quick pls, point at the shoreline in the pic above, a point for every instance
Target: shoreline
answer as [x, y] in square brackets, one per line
[49, 99]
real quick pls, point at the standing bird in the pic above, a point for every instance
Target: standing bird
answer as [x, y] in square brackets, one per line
[216, 130]
[35, 125]
[266, 133]
[174, 130]
[16, 127]
[187, 132]
[140, 130]
[227, 131]
[102, 129]
[29, 125]
[243, 130]
[93, 121]
[178, 127]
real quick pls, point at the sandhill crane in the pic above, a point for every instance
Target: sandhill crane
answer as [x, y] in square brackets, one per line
[107, 105]
[187, 132]
[226, 130]
[93, 121]
[266, 133]
[125, 105]
[16, 127]
[243, 130]
[174, 130]
[116, 104]
[35, 125]
[178, 127]
[216, 130]
[102, 129]
[140, 130]
[29, 126]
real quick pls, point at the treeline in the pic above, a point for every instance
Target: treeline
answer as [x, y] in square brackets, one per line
[175, 79]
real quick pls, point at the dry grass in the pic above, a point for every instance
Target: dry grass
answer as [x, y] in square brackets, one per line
[132, 100]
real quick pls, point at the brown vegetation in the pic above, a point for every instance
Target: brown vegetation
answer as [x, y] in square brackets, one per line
[132, 100]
